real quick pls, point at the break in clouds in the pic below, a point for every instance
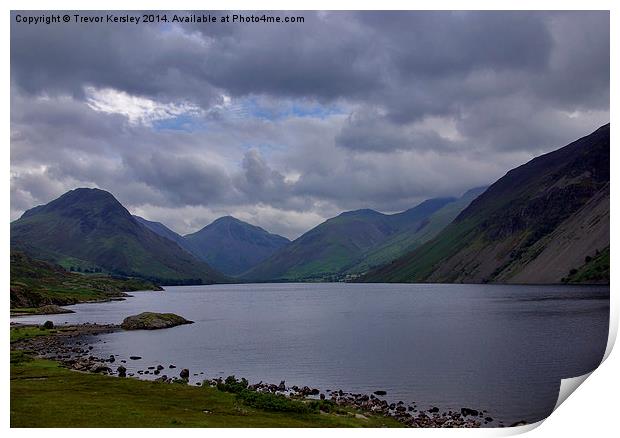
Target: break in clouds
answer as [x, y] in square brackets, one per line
[285, 125]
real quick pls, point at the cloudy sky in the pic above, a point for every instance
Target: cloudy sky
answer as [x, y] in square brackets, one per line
[285, 125]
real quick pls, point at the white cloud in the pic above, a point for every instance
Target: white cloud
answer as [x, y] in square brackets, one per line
[139, 110]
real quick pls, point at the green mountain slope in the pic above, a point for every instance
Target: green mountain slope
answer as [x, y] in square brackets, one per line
[35, 283]
[233, 246]
[338, 243]
[535, 225]
[413, 236]
[164, 231]
[89, 228]
[594, 270]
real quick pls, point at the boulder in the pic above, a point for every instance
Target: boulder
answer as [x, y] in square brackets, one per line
[122, 371]
[184, 373]
[99, 368]
[467, 411]
[153, 321]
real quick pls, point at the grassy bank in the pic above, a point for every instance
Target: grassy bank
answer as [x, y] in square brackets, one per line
[595, 269]
[35, 283]
[25, 332]
[45, 395]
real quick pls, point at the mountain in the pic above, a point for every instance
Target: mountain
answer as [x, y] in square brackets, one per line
[338, 243]
[413, 236]
[233, 246]
[90, 229]
[164, 231]
[546, 221]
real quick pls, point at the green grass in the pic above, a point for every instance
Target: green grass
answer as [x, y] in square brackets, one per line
[45, 395]
[25, 332]
[419, 264]
[276, 402]
[594, 270]
[25, 310]
[35, 283]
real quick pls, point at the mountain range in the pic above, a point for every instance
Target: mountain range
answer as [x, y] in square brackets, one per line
[348, 243]
[89, 230]
[410, 237]
[228, 244]
[546, 221]
[234, 246]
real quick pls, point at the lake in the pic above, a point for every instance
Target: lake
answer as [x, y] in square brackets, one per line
[502, 348]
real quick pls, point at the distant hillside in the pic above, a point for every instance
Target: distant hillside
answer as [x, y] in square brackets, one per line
[233, 246]
[35, 283]
[89, 228]
[413, 236]
[164, 231]
[546, 221]
[338, 243]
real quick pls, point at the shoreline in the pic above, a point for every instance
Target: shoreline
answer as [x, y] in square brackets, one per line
[55, 309]
[68, 346]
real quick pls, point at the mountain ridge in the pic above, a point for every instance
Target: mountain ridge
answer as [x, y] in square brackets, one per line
[89, 227]
[411, 237]
[232, 245]
[512, 223]
[330, 248]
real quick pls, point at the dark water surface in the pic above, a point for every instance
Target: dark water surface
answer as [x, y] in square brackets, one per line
[499, 348]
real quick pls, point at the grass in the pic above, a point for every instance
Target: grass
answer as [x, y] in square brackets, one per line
[421, 263]
[25, 310]
[26, 332]
[35, 283]
[276, 402]
[45, 395]
[594, 270]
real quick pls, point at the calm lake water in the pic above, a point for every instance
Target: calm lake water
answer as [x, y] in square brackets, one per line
[499, 348]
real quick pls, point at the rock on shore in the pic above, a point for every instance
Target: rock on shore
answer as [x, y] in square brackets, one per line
[153, 321]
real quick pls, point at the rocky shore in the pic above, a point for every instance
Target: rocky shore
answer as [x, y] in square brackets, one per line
[69, 345]
[49, 309]
[55, 309]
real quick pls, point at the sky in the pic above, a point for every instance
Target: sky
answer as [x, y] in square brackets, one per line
[284, 125]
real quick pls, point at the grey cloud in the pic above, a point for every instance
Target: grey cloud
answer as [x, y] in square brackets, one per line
[412, 63]
[370, 131]
[141, 60]
[383, 110]
[455, 43]
[579, 66]
[185, 180]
